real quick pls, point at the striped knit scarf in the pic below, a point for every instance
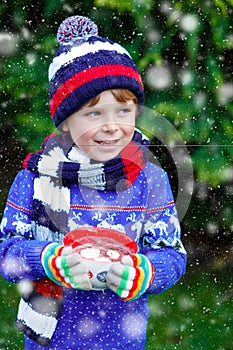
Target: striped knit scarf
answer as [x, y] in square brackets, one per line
[114, 175]
[58, 165]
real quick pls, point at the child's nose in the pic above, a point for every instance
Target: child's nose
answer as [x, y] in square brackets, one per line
[110, 125]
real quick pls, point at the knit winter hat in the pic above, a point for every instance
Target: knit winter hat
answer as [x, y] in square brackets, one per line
[86, 65]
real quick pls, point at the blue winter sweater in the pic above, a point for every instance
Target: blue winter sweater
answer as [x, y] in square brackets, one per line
[96, 319]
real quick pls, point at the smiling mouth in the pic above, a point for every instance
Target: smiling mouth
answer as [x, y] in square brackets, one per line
[107, 142]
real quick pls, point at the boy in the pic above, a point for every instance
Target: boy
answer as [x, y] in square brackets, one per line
[94, 173]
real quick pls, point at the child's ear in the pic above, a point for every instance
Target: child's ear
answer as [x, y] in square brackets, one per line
[65, 127]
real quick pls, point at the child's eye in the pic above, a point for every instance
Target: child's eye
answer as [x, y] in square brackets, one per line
[93, 113]
[124, 110]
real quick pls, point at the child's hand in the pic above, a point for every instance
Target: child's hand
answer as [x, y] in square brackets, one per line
[132, 277]
[64, 267]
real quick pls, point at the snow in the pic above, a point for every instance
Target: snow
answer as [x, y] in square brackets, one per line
[159, 77]
[225, 93]
[189, 23]
[8, 43]
[186, 77]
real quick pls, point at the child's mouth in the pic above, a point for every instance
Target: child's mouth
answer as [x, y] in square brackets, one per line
[107, 142]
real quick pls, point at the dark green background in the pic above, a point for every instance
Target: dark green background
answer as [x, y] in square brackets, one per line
[198, 101]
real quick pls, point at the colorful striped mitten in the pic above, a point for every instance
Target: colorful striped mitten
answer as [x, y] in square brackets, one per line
[64, 267]
[132, 277]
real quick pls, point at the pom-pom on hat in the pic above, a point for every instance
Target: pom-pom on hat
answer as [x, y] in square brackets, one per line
[86, 65]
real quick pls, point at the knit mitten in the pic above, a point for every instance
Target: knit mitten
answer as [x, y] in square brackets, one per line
[64, 267]
[132, 277]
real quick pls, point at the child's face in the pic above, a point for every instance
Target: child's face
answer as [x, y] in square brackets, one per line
[103, 130]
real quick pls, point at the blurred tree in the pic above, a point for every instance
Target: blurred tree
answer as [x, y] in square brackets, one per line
[184, 50]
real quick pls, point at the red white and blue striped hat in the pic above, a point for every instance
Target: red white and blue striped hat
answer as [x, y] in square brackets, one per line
[85, 65]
